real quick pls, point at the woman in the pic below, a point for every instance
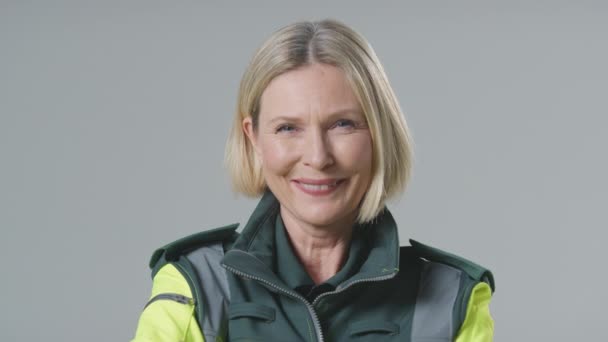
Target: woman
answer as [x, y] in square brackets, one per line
[319, 133]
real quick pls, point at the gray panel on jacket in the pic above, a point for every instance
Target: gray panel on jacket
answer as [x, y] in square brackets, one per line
[216, 294]
[438, 288]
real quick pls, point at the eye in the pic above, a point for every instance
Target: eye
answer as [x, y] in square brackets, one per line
[285, 128]
[344, 123]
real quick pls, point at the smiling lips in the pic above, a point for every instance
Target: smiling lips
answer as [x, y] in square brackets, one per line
[317, 187]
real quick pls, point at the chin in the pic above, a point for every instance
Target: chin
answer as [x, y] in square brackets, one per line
[322, 215]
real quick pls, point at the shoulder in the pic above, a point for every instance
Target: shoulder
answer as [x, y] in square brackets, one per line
[449, 283]
[169, 313]
[474, 272]
[177, 269]
[172, 251]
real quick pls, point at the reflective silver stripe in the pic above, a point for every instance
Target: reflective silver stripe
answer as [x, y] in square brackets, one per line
[176, 297]
[437, 292]
[216, 293]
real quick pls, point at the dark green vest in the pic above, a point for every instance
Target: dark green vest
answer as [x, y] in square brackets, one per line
[413, 293]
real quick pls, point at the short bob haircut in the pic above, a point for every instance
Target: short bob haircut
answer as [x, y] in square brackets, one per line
[330, 42]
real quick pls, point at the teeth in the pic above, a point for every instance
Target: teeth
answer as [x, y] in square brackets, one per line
[318, 187]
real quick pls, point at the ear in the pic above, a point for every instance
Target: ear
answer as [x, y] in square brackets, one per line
[251, 134]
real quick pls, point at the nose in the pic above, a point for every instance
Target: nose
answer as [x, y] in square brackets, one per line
[317, 150]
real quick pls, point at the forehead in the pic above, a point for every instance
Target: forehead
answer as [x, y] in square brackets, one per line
[316, 88]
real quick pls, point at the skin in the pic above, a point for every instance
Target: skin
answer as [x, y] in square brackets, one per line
[311, 127]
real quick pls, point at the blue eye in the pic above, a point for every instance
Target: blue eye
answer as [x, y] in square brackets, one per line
[345, 123]
[285, 128]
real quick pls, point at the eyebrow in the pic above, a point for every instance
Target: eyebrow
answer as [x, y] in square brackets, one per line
[331, 115]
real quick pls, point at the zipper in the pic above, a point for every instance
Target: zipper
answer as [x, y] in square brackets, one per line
[311, 309]
[309, 306]
[171, 296]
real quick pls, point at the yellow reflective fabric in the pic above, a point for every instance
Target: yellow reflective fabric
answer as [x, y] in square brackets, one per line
[478, 325]
[167, 320]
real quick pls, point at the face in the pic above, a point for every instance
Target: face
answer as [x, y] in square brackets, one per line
[314, 146]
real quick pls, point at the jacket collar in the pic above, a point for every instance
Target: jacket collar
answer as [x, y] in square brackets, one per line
[253, 252]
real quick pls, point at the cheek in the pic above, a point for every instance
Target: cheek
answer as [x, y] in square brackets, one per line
[355, 153]
[277, 157]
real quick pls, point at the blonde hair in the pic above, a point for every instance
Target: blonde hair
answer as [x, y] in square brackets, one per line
[329, 42]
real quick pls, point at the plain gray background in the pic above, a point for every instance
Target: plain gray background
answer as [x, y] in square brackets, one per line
[114, 116]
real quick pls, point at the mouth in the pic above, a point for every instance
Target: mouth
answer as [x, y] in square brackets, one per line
[318, 187]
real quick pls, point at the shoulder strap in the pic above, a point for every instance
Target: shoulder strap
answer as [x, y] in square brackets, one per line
[172, 251]
[472, 269]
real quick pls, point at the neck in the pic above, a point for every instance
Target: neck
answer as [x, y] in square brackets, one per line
[321, 250]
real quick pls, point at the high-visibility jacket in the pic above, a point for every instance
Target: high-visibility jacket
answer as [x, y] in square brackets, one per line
[222, 286]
